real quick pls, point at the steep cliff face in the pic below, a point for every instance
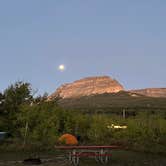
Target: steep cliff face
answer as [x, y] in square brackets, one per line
[151, 92]
[87, 86]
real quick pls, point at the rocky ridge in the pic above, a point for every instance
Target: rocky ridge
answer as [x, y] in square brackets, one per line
[151, 92]
[87, 86]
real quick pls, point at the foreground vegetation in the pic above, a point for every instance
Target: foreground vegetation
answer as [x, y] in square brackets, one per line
[35, 125]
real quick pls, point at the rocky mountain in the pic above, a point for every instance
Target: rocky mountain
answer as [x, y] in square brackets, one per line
[90, 86]
[104, 94]
[151, 92]
[86, 87]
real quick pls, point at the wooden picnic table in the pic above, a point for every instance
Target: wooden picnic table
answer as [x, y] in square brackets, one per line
[100, 153]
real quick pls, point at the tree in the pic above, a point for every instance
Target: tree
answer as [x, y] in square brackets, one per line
[38, 124]
[11, 100]
[17, 94]
[1, 103]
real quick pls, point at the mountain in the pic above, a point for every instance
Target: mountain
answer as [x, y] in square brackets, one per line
[104, 93]
[87, 86]
[151, 92]
[100, 85]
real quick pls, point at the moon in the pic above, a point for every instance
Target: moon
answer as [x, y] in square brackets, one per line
[61, 67]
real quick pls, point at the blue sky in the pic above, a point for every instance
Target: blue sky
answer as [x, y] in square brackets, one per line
[125, 39]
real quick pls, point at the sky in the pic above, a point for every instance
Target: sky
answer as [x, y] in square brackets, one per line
[124, 39]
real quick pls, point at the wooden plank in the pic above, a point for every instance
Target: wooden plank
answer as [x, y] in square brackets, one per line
[86, 147]
[92, 154]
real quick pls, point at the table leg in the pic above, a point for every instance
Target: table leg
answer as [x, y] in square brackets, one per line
[97, 157]
[70, 157]
[103, 159]
[74, 158]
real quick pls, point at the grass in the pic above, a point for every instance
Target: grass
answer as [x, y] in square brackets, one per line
[119, 158]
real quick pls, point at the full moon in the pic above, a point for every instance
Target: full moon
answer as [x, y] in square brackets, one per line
[61, 67]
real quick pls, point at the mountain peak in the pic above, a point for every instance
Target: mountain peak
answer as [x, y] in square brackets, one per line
[87, 86]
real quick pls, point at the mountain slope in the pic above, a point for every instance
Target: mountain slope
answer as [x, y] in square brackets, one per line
[113, 100]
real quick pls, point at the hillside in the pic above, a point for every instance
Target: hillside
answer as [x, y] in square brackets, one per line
[107, 101]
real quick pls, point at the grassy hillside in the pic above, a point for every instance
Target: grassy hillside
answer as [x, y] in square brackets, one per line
[115, 101]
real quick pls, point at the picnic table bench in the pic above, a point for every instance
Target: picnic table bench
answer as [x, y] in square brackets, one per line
[100, 153]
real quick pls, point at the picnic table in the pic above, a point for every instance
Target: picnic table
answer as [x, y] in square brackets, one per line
[100, 153]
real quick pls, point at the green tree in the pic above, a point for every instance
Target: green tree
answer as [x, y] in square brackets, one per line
[11, 100]
[39, 124]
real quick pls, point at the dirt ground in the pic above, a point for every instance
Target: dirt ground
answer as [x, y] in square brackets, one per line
[119, 158]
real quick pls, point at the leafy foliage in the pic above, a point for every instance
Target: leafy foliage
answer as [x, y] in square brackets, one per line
[14, 96]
